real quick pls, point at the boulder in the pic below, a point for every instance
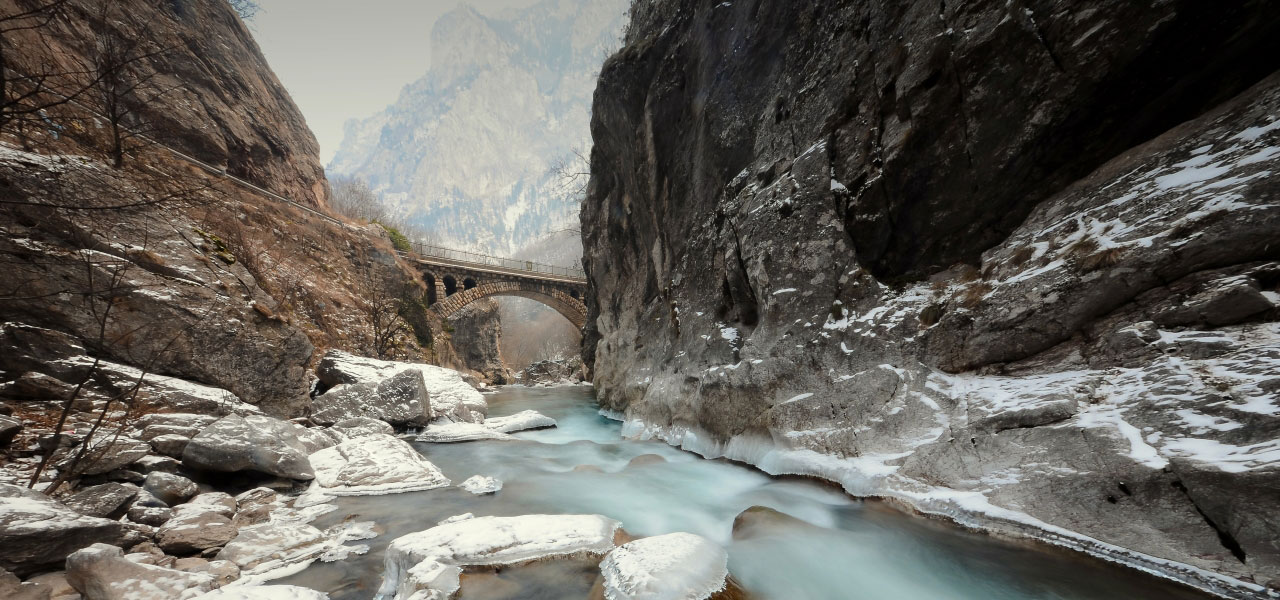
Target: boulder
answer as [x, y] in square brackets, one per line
[154, 516]
[152, 463]
[37, 533]
[401, 399]
[105, 453]
[521, 421]
[481, 485]
[218, 502]
[274, 545]
[191, 531]
[377, 463]
[153, 431]
[177, 422]
[101, 572]
[170, 445]
[170, 488]
[451, 397]
[223, 571]
[360, 426]
[249, 443]
[431, 561]
[442, 432]
[315, 439]
[109, 500]
[9, 429]
[675, 566]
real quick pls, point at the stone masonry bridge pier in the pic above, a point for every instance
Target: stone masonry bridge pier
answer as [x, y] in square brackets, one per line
[456, 278]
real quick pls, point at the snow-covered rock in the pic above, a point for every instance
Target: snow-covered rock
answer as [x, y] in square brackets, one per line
[480, 485]
[269, 546]
[675, 566]
[193, 530]
[521, 421]
[445, 432]
[431, 561]
[104, 454]
[170, 488]
[249, 443]
[451, 397]
[374, 464]
[401, 399]
[497, 428]
[109, 500]
[37, 532]
[360, 426]
[102, 572]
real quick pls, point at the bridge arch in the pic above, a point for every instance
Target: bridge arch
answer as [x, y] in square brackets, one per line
[563, 301]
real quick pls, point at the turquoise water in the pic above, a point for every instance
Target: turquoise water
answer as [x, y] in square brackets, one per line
[823, 545]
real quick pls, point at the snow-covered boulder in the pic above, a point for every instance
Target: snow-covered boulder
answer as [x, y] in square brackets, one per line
[109, 500]
[102, 572]
[445, 432]
[170, 488]
[249, 443]
[480, 485]
[401, 399]
[264, 592]
[497, 428]
[267, 546]
[374, 464]
[360, 426]
[521, 421]
[451, 397]
[675, 566]
[216, 502]
[192, 530]
[37, 532]
[431, 561]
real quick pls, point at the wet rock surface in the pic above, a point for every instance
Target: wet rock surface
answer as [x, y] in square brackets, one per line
[1046, 314]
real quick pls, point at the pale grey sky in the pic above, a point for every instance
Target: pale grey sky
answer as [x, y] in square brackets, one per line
[343, 59]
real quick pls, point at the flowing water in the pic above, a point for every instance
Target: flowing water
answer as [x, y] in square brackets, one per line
[826, 545]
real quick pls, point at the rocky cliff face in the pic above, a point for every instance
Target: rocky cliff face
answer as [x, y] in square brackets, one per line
[1006, 262]
[465, 150]
[477, 333]
[166, 266]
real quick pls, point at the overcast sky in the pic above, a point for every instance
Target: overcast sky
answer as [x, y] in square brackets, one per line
[343, 59]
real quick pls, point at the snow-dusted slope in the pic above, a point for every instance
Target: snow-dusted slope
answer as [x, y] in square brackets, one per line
[466, 150]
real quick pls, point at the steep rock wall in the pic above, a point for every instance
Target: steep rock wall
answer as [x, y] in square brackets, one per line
[1008, 262]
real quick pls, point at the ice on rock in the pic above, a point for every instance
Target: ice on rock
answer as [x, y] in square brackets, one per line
[480, 485]
[427, 564]
[675, 566]
[374, 464]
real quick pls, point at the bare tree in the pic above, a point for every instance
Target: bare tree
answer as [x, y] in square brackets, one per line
[26, 95]
[120, 86]
[572, 171]
[352, 198]
[381, 303]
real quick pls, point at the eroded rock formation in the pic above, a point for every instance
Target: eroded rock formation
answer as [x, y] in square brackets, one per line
[1013, 263]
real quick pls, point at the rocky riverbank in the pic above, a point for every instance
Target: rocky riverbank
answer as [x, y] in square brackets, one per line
[1012, 264]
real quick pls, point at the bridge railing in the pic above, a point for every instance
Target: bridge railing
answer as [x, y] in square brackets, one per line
[428, 250]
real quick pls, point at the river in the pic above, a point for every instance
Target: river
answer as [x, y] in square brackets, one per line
[831, 546]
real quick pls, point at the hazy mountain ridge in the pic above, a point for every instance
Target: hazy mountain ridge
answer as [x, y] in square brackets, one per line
[466, 149]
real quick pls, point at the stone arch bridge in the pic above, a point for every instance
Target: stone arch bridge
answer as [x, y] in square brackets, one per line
[456, 278]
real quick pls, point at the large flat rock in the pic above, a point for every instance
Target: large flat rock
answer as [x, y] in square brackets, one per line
[37, 533]
[374, 464]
